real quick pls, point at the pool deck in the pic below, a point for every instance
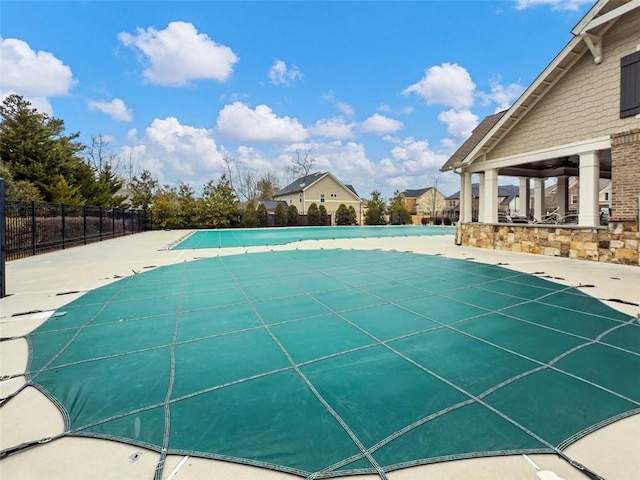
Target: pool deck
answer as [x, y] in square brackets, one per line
[45, 282]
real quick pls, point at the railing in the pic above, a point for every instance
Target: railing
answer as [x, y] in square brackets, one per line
[33, 227]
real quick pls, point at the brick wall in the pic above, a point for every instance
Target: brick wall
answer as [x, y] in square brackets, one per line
[625, 176]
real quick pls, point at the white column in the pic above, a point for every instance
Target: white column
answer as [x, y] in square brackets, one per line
[465, 198]
[538, 198]
[524, 197]
[490, 200]
[562, 195]
[588, 214]
[481, 196]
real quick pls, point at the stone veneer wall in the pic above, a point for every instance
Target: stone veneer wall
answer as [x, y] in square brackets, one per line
[617, 243]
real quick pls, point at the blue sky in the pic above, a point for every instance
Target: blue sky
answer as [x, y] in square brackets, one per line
[379, 93]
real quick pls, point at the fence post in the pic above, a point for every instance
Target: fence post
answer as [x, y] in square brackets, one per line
[33, 226]
[113, 223]
[124, 221]
[63, 211]
[3, 241]
[100, 214]
[84, 223]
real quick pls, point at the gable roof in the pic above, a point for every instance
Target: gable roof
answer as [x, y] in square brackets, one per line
[415, 193]
[303, 183]
[476, 136]
[587, 36]
[300, 184]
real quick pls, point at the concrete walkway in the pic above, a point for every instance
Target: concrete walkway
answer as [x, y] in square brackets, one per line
[46, 282]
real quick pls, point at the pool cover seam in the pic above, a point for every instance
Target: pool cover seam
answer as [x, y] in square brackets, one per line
[460, 389]
[324, 402]
[172, 376]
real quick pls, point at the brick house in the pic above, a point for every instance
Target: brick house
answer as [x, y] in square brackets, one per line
[580, 118]
[427, 201]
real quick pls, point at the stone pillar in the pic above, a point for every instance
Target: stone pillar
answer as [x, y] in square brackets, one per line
[562, 195]
[481, 197]
[465, 198]
[588, 212]
[538, 198]
[490, 200]
[524, 197]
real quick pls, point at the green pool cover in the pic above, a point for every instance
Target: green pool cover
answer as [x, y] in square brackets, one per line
[249, 237]
[324, 363]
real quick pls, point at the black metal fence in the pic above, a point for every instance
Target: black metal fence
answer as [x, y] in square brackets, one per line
[33, 227]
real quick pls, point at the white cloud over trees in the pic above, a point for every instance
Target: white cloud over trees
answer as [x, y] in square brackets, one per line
[241, 123]
[179, 54]
[36, 76]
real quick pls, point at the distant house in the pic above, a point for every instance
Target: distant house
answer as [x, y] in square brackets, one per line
[425, 201]
[551, 195]
[321, 189]
[507, 201]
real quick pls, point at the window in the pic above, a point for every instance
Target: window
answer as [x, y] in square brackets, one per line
[574, 199]
[334, 195]
[606, 195]
[630, 85]
[300, 200]
[322, 198]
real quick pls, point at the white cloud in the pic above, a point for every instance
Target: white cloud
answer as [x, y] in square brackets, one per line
[116, 109]
[335, 128]
[180, 54]
[460, 124]
[36, 76]
[380, 125]
[173, 152]
[345, 108]
[447, 84]
[279, 74]
[239, 122]
[554, 4]
[502, 95]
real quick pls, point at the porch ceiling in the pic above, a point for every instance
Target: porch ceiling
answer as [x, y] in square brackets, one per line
[556, 167]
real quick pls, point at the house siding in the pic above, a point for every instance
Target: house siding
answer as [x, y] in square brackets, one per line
[327, 186]
[584, 104]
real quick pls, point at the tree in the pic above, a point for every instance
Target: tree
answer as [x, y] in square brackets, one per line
[187, 213]
[301, 164]
[292, 215]
[313, 214]
[353, 216]
[267, 186]
[375, 210]
[342, 215]
[103, 190]
[143, 189]
[400, 214]
[35, 149]
[61, 192]
[220, 204]
[263, 215]
[324, 216]
[280, 217]
[250, 217]
[164, 212]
